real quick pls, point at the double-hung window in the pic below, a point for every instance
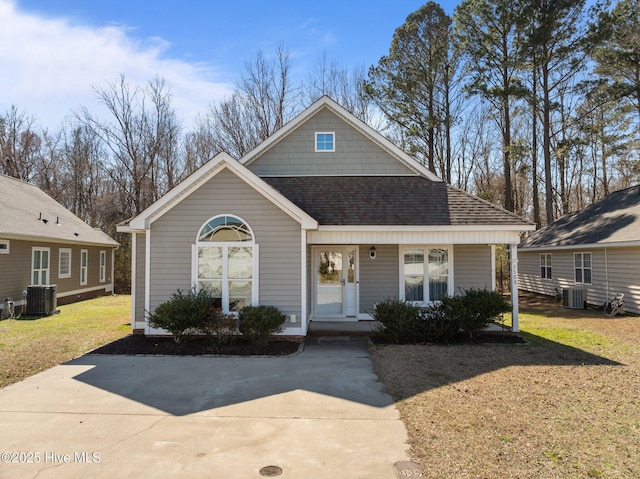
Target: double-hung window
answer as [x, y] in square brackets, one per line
[40, 266]
[226, 262]
[582, 268]
[103, 266]
[84, 265]
[64, 263]
[545, 266]
[426, 274]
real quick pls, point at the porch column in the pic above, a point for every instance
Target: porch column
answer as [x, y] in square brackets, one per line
[513, 281]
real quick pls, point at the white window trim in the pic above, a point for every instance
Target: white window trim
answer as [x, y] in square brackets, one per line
[548, 268]
[6, 246]
[84, 270]
[225, 255]
[590, 268]
[62, 251]
[48, 269]
[450, 276]
[325, 133]
[103, 266]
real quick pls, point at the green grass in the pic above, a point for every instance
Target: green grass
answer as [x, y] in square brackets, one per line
[28, 346]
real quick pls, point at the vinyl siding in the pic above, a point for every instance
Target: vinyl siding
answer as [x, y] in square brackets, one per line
[472, 267]
[614, 270]
[355, 154]
[379, 277]
[277, 235]
[15, 270]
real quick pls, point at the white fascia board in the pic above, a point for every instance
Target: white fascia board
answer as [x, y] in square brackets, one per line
[351, 119]
[204, 174]
[428, 229]
[618, 244]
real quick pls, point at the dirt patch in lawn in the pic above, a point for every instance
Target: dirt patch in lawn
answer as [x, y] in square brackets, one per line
[140, 344]
[565, 405]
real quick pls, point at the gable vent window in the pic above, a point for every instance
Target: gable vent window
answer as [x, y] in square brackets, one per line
[325, 142]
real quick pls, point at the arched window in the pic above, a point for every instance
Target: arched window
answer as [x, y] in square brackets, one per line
[226, 262]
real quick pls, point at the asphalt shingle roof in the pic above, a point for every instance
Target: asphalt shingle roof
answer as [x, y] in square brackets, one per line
[26, 211]
[613, 219]
[388, 200]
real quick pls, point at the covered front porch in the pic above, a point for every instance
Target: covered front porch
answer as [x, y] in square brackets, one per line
[345, 280]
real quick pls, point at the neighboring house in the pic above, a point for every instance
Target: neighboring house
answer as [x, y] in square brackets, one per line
[596, 249]
[43, 243]
[322, 220]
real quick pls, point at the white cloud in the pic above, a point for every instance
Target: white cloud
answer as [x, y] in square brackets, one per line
[48, 66]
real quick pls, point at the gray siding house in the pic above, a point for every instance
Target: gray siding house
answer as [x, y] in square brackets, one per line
[42, 244]
[322, 220]
[596, 249]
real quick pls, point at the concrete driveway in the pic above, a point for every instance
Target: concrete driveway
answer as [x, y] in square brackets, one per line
[318, 414]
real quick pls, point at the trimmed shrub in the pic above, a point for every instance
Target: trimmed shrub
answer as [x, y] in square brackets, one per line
[220, 327]
[475, 309]
[259, 323]
[185, 314]
[437, 326]
[400, 321]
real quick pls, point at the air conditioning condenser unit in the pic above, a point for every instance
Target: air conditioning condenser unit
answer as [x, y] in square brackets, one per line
[574, 298]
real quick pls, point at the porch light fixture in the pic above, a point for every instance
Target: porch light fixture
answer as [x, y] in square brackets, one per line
[372, 252]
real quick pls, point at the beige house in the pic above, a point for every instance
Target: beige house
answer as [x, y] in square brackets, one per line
[322, 220]
[44, 244]
[593, 254]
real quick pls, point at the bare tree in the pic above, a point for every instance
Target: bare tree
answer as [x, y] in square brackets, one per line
[263, 101]
[19, 144]
[142, 139]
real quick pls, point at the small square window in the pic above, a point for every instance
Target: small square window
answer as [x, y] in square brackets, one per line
[325, 141]
[4, 246]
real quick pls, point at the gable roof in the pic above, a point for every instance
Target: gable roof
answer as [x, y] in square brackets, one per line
[613, 219]
[395, 200]
[349, 118]
[27, 212]
[201, 176]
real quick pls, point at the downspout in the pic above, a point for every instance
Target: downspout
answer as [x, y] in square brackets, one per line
[606, 274]
[513, 280]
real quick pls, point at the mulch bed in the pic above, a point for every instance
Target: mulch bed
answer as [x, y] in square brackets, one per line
[482, 338]
[140, 344]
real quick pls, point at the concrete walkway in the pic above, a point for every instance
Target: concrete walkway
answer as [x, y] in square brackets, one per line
[318, 414]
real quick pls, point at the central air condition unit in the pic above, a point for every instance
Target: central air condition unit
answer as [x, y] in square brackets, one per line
[574, 298]
[41, 300]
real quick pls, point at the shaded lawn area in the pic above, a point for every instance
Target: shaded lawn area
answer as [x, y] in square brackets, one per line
[28, 346]
[566, 405]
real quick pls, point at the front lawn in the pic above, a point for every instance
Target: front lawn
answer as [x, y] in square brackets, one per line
[566, 405]
[28, 346]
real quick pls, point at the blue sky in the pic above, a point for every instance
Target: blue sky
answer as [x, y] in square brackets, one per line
[53, 51]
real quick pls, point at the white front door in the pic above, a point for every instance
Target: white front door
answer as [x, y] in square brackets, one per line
[336, 282]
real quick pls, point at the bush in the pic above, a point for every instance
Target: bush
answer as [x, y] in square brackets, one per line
[185, 314]
[437, 326]
[400, 321]
[220, 327]
[475, 309]
[259, 323]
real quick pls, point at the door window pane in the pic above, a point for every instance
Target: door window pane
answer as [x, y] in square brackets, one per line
[329, 286]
